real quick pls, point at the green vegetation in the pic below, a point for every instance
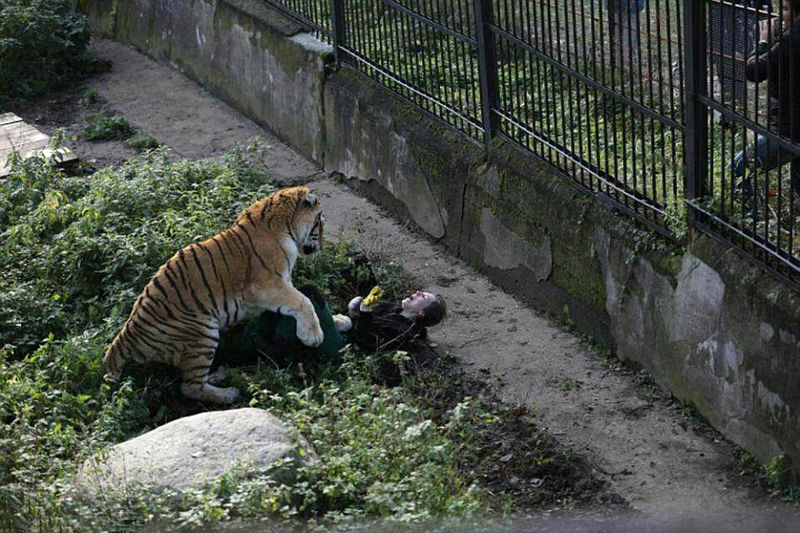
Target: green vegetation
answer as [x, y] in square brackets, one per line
[777, 474]
[43, 45]
[102, 128]
[397, 441]
[143, 142]
[92, 96]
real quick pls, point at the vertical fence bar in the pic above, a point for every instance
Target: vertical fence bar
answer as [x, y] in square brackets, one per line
[339, 29]
[696, 113]
[487, 66]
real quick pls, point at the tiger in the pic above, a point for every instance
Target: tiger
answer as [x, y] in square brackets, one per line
[212, 285]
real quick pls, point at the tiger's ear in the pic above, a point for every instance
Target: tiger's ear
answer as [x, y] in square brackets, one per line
[311, 200]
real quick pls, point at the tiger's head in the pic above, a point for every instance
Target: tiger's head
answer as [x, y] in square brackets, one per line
[296, 211]
[308, 223]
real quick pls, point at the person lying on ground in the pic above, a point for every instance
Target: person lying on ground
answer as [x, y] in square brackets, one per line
[380, 325]
[371, 323]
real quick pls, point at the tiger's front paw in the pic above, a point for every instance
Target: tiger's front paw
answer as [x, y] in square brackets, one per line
[310, 334]
[228, 395]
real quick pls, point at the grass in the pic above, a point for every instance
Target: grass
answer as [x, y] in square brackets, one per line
[143, 142]
[100, 127]
[401, 439]
[92, 96]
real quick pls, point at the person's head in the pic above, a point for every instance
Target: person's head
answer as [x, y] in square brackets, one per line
[790, 11]
[426, 308]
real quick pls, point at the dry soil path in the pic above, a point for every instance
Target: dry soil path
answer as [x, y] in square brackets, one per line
[660, 463]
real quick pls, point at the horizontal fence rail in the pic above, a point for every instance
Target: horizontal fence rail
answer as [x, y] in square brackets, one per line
[588, 85]
[677, 111]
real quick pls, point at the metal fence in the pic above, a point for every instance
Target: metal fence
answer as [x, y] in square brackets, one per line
[682, 113]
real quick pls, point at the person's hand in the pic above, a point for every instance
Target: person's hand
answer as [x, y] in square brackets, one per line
[354, 304]
[374, 296]
[769, 30]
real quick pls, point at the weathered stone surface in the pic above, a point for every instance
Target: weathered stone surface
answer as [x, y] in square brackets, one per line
[193, 451]
[376, 152]
[698, 301]
[505, 250]
[702, 346]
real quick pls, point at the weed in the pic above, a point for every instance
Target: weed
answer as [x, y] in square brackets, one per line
[689, 412]
[143, 142]
[779, 472]
[103, 128]
[92, 96]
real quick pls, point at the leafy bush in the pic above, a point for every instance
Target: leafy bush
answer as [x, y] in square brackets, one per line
[92, 96]
[102, 128]
[43, 45]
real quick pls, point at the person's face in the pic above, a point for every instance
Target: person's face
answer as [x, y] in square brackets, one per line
[787, 12]
[416, 303]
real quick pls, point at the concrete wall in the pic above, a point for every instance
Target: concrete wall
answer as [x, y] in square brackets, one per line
[240, 50]
[712, 328]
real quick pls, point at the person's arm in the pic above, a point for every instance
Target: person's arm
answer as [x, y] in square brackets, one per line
[363, 317]
[770, 49]
[354, 307]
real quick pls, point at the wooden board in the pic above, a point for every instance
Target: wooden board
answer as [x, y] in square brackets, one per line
[17, 135]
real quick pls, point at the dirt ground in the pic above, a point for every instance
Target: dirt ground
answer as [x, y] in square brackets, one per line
[665, 464]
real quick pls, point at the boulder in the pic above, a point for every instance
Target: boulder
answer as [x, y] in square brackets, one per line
[194, 451]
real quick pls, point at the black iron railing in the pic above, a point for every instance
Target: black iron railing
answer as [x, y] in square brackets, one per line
[660, 106]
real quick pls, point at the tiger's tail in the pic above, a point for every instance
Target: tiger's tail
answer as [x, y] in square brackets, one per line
[115, 357]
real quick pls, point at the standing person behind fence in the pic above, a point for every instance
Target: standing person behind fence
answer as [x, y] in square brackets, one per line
[624, 18]
[732, 35]
[776, 60]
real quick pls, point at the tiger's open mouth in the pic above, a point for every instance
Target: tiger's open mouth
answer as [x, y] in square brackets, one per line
[314, 240]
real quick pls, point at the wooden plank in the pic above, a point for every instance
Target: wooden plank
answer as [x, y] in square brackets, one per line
[8, 144]
[34, 143]
[10, 131]
[16, 135]
[8, 118]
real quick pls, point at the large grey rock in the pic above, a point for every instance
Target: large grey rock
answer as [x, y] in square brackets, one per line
[194, 451]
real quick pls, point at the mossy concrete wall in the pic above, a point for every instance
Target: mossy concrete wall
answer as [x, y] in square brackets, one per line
[240, 50]
[712, 328]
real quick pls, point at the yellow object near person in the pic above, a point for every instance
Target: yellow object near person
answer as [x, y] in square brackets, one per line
[374, 296]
